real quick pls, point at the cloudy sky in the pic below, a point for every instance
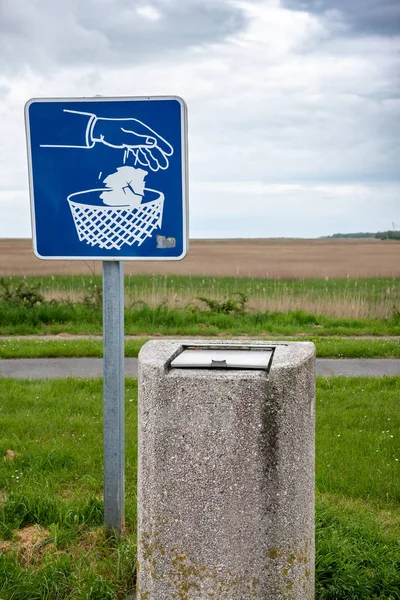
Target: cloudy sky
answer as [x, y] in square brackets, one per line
[294, 105]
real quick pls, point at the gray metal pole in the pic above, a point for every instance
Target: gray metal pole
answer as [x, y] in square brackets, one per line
[113, 369]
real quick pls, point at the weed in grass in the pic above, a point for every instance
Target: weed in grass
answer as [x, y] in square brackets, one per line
[235, 305]
[23, 293]
[93, 296]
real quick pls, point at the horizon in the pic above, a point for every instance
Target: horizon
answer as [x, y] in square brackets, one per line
[356, 234]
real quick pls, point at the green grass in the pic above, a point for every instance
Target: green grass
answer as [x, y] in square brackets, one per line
[356, 348]
[55, 481]
[50, 348]
[145, 321]
[358, 550]
[358, 438]
[358, 483]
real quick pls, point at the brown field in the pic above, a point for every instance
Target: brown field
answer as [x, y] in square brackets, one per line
[264, 258]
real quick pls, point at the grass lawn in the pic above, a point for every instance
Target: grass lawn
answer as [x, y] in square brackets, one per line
[52, 544]
[44, 347]
[144, 320]
[162, 320]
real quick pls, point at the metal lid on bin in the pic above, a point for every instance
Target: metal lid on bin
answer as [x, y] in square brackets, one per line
[241, 356]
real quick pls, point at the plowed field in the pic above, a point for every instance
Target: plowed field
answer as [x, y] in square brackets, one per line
[269, 258]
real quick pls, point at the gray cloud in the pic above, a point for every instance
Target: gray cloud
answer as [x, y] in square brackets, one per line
[293, 116]
[42, 35]
[364, 16]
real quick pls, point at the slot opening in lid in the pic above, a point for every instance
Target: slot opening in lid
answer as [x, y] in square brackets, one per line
[220, 356]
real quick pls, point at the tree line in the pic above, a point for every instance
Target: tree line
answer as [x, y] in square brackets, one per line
[381, 235]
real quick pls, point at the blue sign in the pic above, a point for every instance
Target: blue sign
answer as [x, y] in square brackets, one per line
[108, 178]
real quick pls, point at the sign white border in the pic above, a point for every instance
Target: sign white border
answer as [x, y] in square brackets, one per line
[185, 176]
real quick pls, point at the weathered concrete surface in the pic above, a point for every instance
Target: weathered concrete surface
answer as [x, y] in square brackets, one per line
[226, 478]
[48, 368]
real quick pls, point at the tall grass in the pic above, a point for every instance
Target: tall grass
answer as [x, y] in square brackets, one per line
[144, 320]
[340, 298]
[335, 298]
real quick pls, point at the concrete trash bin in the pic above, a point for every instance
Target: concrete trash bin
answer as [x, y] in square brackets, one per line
[226, 471]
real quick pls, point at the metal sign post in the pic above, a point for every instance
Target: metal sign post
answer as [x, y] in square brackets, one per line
[108, 181]
[113, 373]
